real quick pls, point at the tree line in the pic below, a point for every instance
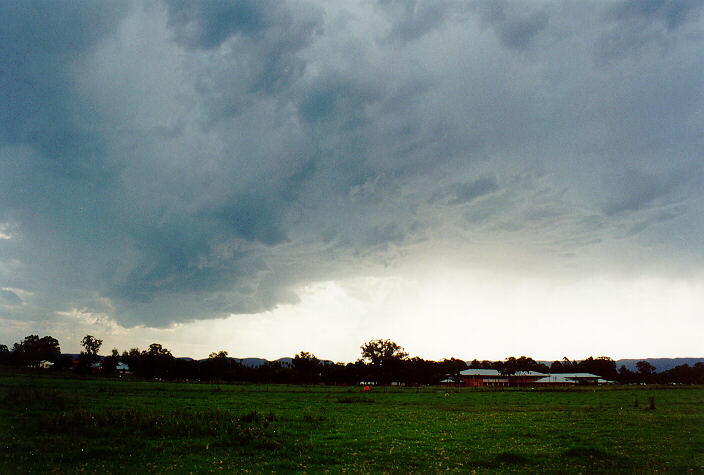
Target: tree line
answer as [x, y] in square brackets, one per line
[382, 362]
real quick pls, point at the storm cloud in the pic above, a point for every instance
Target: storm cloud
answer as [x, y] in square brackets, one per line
[163, 162]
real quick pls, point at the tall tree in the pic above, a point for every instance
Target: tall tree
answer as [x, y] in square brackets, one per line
[452, 368]
[625, 375]
[110, 362]
[646, 371]
[218, 366]
[508, 366]
[156, 361]
[34, 349]
[155, 349]
[602, 366]
[556, 367]
[306, 367]
[4, 354]
[91, 345]
[385, 357]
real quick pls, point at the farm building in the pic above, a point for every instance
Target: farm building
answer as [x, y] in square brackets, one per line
[571, 378]
[491, 377]
[483, 377]
[122, 367]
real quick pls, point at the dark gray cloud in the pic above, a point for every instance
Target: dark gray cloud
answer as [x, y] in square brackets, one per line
[172, 161]
[207, 25]
[636, 190]
[634, 26]
[669, 13]
[253, 47]
[38, 42]
[411, 20]
[336, 98]
[516, 25]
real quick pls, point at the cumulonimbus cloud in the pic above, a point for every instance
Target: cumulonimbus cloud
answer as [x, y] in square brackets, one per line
[173, 161]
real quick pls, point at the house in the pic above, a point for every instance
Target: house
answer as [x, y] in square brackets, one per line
[45, 364]
[482, 377]
[122, 367]
[493, 378]
[525, 378]
[568, 379]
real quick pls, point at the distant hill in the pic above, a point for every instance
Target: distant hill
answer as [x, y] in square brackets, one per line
[661, 364]
[256, 362]
[252, 362]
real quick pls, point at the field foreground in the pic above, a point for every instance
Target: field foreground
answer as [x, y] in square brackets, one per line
[69, 425]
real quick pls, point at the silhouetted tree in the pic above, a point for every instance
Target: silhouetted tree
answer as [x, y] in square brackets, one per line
[356, 372]
[508, 366]
[272, 372]
[697, 374]
[156, 350]
[417, 371]
[155, 362]
[91, 345]
[131, 358]
[645, 371]
[682, 374]
[89, 355]
[110, 362]
[625, 375]
[306, 367]
[451, 368]
[512, 365]
[556, 367]
[337, 373]
[4, 354]
[564, 366]
[602, 366]
[34, 349]
[219, 366]
[385, 357]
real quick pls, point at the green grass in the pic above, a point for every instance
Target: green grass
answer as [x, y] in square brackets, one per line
[69, 425]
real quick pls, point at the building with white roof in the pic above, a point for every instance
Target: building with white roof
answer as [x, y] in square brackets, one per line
[478, 377]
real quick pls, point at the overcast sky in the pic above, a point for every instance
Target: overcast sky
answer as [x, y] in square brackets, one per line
[469, 179]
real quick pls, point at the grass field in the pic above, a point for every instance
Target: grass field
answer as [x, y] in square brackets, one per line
[69, 425]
